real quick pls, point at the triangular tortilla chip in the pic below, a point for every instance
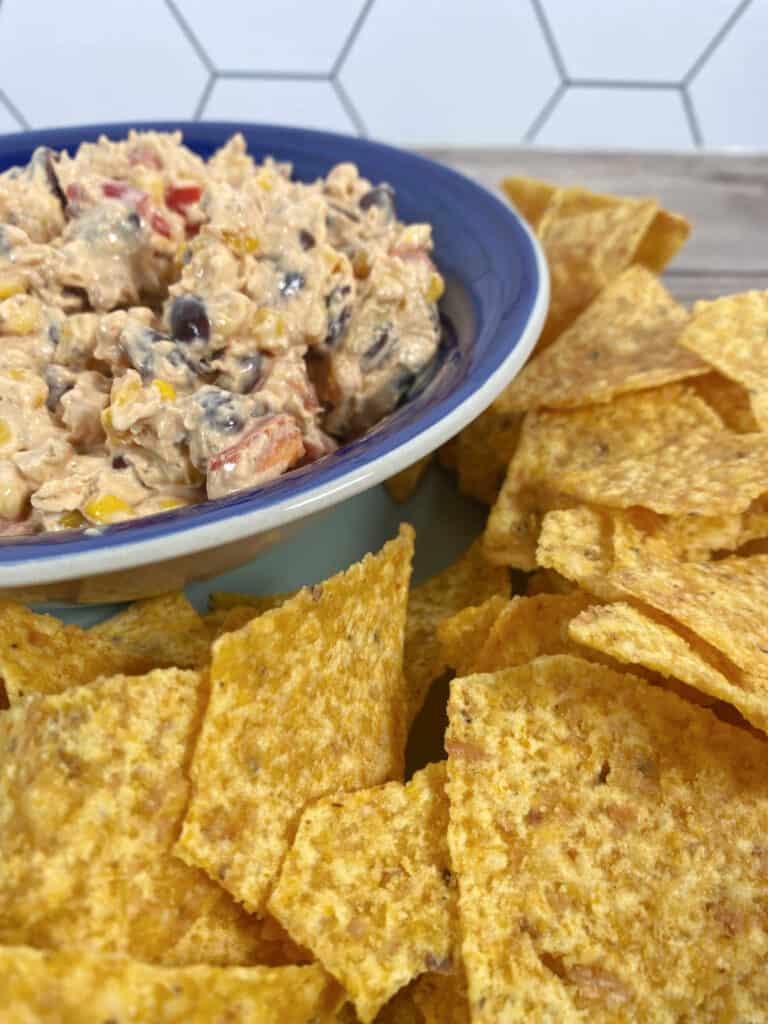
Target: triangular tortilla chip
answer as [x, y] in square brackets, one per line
[367, 886]
[625, 340]
[609, 842]
[306, 700]
[93, 787]
[402, 485]
[74, 987]
[166, 631]
[39, 654]
[463, 635]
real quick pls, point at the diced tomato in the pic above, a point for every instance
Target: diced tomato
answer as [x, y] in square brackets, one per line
[75, 193]
[160, 224]
[179, 196]
[121, 190]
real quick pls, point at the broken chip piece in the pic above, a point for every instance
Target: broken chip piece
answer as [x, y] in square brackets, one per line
[93, 787]
[77, 987]
[367, 886]
[307, 699]
[609, 843]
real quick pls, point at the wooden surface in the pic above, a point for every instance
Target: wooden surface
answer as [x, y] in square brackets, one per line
[724, 195]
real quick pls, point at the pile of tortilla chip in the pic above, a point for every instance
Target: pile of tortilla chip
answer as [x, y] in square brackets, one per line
[225, 817]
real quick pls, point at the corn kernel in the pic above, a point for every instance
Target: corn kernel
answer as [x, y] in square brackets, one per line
[435, 288]
[128, 392]
[166, 391]
[71, 521]
[168, 503]
[269, 322]
[266, 179]
[6, 434]
[106, 420]
[107, 509]
[415, 235]
[241, 244]
[22, 315]
[11, 284]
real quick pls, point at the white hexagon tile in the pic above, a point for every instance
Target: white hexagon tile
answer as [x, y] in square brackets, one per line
[634, 74]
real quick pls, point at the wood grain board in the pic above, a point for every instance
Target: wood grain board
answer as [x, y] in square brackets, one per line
[724, 195]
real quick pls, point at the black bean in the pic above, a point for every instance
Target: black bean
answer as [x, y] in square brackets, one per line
[220, 410]
[345, 212]
[54, 334]
[133, 220]
[306, 239]
[379, 350]
[382, 197]
[337, 327]
[120, 462]
[43, 159]
[189, 320]
[291, 283]
[76, 295]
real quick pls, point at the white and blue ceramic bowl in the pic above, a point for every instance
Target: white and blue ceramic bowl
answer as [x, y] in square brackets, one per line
[496, 298]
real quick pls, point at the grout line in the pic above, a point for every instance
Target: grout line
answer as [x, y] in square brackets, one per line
[620, 83]
[350, 108]
[692, 117]
[354, 32]
[13, 110]
[185, 27]
[545, 113]
[205, 95]
[714, 42]
[549, 39]
[275, 76]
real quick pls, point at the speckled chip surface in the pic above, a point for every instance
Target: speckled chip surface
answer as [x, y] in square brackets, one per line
[92, 791]
[72, 987]
[609, 842]
[368, 888]
[306, 700]
[166, 630]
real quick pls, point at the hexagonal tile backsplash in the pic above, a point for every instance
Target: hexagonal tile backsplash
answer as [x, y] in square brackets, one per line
[635, 74]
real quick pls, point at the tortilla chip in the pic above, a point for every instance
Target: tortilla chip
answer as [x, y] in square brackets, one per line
[442, 998]
[165, 631]
[578, 544]
[224, 600]
[368, 888]
[547, 581]
[469, 581]
[401, 1009]
[485, 449]
[625, 340]
[448, 454]
[529, 627]
[39, 654]
[463, 635]
[73, 987]
[555, 446]
[306, 700]
[402, 485]
[92, 792]
[609, 841]
[730, 334]
[633, 637]
[729, 400]
[723, 603]
[589, 239]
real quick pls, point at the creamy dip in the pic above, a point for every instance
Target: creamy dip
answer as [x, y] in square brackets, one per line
[173, 330]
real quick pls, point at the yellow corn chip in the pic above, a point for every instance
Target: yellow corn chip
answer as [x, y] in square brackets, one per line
[633, 637]
[306, 700]
[402, 485]
[221, 600]
[577, 543]
[557, 446]
[729, 400]
[609, 842]
[625, 340]
[39, 654]
[73, 987]
[401, 1009]
[730, 335]
[529, 627]
[447, 455]
[165, 631]
[589, 239]
[547, 581]
[463, 635]
[442, 998]
[485, 449]
[469, 581]
[723, 603]
[367, 887]
[92, 792]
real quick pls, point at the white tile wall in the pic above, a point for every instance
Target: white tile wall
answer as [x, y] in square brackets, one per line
[637, 73]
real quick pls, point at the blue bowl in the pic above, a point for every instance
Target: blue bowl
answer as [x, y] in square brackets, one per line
[496, 300]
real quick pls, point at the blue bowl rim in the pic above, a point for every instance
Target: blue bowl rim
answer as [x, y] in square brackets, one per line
[58, 557]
